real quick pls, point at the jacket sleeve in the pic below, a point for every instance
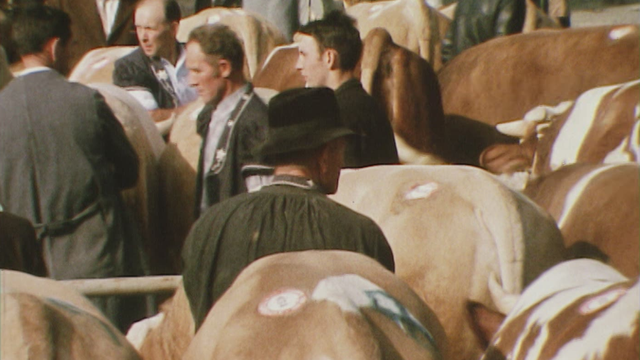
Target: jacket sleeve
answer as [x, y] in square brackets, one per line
[121, 153]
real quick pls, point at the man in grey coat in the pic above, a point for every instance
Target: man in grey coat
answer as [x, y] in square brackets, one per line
[64, 158]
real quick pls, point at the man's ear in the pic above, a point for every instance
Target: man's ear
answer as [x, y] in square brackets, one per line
[52, 48]
[225, 68]
[175, 25]
[331, 59]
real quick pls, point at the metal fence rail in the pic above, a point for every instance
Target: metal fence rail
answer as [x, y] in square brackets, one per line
[125, 285]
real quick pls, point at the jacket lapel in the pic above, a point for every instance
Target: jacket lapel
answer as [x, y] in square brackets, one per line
[123, 18]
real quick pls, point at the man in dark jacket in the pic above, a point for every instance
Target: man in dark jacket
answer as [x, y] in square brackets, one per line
[305, 143]
[329, 50]
[476, 21]
[155, 73]
[233, 120]
[63, 159]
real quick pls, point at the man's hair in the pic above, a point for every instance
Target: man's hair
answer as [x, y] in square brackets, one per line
[34, 26]
[337, 31]
[172, 10]
[219, 40]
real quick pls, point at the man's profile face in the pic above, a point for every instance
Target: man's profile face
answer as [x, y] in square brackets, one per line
[203, 76]
[155, 35]
[311, 63]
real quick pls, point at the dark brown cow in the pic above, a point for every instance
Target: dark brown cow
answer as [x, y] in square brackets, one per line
[319, 305]
[44, 319]
[580, 309]
[502, 79]
[597, 205]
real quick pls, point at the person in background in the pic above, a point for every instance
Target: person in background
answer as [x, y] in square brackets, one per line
[95, 23]
[329, 50]
[305, 144]
[476, 21]
[64, 158]
[233, 120]
[155, 73]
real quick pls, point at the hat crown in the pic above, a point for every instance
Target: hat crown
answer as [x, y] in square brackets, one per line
[302, 118]
[304, 105]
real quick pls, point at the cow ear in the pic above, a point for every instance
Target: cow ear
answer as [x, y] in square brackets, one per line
[484, 322]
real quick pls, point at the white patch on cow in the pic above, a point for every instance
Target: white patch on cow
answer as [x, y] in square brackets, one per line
[620, 32]
[139, 330]
[282, 302]
[352, 292]
[213, 19]
[576, 193]
[567, 145]
[601, 301]
[619, 320]
[421, 191]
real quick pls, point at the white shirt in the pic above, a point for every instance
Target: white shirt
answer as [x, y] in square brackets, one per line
[178, 75]
[107, 10]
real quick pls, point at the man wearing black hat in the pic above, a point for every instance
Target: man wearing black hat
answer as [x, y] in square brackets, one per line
[305, 144]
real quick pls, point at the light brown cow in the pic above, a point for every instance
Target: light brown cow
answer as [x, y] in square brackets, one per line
[601, 126]
[457, 235]
[43, 319]
[411, 23]
[502, 79]
[597, 205]
[580, 309]
[318, 305]
[142, 200]
[258, 36]
[96, 66]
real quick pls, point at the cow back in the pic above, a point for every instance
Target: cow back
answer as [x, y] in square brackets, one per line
[580, 309]
[457, 235]
[596, 205]
[97, 65]
[142, 200]
[258, 36]
[501, 79]
[48, 320]
[411, 23]
[318, 304]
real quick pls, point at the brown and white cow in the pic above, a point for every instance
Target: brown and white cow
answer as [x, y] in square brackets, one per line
[601, 126]
[502, 79]
[44, 319]
[579, 309]
[595, 205]
[457, 235]
[319, 305]
[96, 66]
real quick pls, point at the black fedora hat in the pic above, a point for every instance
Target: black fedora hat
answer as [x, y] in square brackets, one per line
[302, 119]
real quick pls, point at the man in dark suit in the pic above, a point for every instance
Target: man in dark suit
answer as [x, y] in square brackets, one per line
[95, 23]
[329, 50]
[63, 159]
[233, 120]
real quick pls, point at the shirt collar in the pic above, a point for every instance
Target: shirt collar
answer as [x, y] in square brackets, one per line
[34, 69]
[295, 181]
[229, 102]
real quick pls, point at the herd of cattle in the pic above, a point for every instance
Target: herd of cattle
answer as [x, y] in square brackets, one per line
[486, 255]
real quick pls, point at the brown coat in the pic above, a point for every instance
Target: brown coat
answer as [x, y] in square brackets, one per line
[86, 28]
